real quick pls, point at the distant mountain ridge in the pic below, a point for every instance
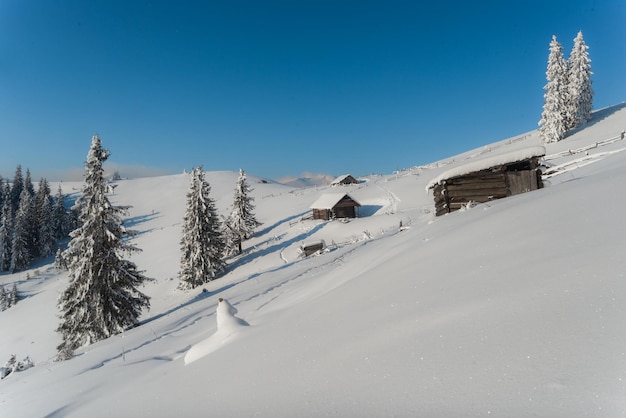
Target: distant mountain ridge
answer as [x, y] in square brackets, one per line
[307, 179]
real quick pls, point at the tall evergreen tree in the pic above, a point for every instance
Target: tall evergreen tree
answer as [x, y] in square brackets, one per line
[6, 233]
[13, 295]
[46, 239]
[241, 222]
[202, 243]
[60, 216]
[102, 298]
[4, 299]
[16, 187]
[28, 183]
[552, 126]
[43, 191]
[5, 189]
[21, 254]
[580, 93]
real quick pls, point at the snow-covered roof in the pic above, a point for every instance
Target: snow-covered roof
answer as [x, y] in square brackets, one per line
[314, 243]
[328, 200]
[341, 178]
[489, 162]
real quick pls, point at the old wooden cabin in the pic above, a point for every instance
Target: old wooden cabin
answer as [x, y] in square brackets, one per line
[335, 205]
[344, 180]
[488, 179]
[311, 247]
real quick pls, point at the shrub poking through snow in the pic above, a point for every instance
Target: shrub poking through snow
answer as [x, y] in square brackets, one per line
[12, 365]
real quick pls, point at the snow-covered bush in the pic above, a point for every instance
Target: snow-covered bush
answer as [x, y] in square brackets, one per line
[12, 365]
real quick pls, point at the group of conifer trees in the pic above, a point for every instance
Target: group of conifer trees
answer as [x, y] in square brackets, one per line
[568, 94]
[31, 222]
[207, 239]
[103, 298]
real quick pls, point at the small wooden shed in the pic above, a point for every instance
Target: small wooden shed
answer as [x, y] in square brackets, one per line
[335, 205]
[344, 180]
[487, 179]
[311, 247]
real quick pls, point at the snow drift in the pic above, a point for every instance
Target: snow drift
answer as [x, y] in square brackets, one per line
[227, 326]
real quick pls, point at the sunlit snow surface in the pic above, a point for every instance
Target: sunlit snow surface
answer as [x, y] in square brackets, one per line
[511, 308]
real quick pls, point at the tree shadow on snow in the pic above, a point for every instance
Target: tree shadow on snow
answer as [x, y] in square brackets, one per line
[133, 221]
[282, 221]
[251, 255]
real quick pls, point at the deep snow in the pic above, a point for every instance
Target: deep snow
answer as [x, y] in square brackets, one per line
[511, 308]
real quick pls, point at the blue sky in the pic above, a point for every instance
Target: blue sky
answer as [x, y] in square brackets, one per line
[283, 87]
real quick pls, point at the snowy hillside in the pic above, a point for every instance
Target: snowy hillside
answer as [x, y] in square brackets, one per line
[511, 308]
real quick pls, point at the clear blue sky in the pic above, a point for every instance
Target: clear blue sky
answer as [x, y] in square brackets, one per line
[282, 87]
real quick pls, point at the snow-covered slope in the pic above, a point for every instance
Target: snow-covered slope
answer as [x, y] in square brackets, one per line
[512, 308]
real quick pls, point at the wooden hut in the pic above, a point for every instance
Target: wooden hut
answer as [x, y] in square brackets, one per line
[335, 205]
[344, 180]
[488, 179]
[312, 247]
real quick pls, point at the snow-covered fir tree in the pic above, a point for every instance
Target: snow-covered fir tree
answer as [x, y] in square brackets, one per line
[8, 298]
[552, 126]
[13, 296]
[22, 234]
[4, 299]
[16, 187]
[6, 235]
[46, 239]
[580, 93]
[202, 243]
[241, 222]
[60, 216]
[28, 183]
[59, 261]
[102, 298]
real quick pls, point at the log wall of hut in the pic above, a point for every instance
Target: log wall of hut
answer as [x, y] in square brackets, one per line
[344, 212]
[486, 185]
[321, 214]
[345, 208]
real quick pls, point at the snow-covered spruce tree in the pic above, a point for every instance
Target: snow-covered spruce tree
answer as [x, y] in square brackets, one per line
[4, 299]
[241, 223]
[46, 239]
[28, 183]
[13, 296]
[6, 235]
[22, 234]
[552, 126]
[102, 297]
[202, 243]
[580, 93]
[60, 217]
[16, 187]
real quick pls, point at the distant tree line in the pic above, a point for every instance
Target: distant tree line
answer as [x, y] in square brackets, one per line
[31, 222]
[568, 98]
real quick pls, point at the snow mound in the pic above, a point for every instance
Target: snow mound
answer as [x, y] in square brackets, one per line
[228, 325]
